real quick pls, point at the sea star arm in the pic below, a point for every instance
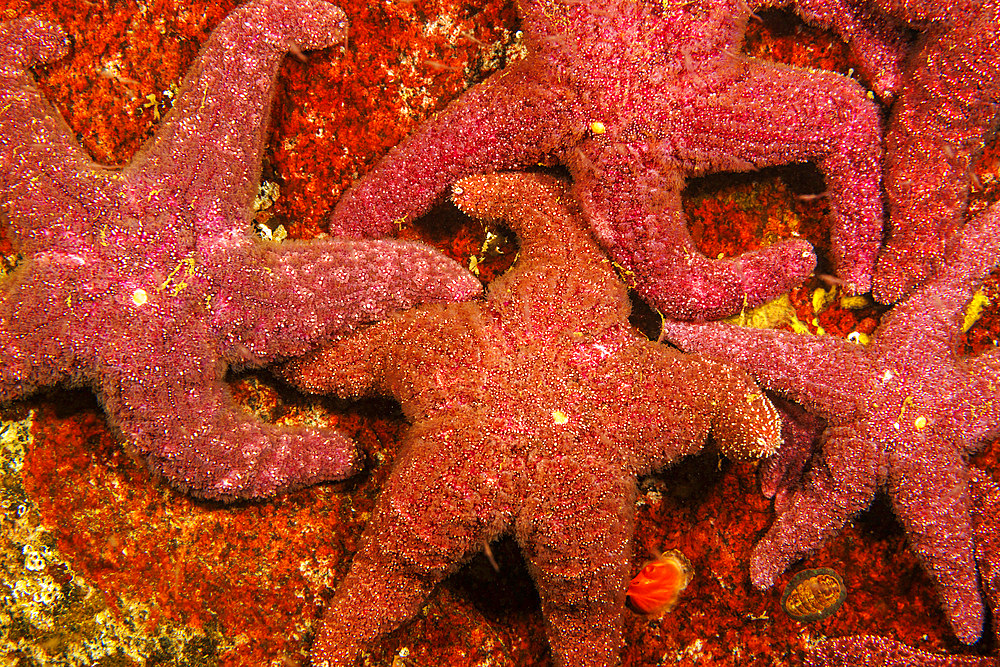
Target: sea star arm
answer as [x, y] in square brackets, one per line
[576, 530]
[33, 312]
[877, 41]
[206, 155]
[652, 240]
[931, 318]
[981, 403]
[820, 372]
[946, 108]
[47, 182]
[201, 441]
[810, 115]
[448, 495]
[298, 294]
[664, 404]
[841, 483]
[510, 120]
[933, 503]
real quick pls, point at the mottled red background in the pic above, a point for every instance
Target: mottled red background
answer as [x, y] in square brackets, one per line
[245, 584]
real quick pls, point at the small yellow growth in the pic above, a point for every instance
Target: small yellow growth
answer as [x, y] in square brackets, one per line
[854, 302]
[597, 127]
[474, 264]
[907, 402]
[920, 422]
[559, 417]
[771, 315]
[139, 297]
[188, 265]
[975, 309]
[821, 299]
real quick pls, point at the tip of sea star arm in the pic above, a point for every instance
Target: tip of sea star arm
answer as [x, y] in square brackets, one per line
[748, 426]
[27, 41]
[205, 445]
[207, 151]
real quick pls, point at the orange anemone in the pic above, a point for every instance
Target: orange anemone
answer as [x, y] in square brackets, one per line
[655, 589]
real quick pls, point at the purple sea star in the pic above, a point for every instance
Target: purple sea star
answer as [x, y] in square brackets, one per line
[532, 412]
[145, 284]
[632, 97]
[871, 650]
[903, 414]
[946, 108]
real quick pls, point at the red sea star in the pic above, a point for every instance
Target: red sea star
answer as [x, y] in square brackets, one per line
[903, 414]
[633, 97]
[534, 411]
[144, 282]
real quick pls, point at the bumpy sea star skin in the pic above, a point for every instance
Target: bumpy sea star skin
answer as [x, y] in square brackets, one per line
[145, 284]
[633, 97]
[946, 108]
[534, 411]
[878, 42]
[870, 650]
[902, 413]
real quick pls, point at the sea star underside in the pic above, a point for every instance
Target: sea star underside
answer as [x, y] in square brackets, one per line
[633, 97]
[145, 282]
[903, 414]
[533, 411]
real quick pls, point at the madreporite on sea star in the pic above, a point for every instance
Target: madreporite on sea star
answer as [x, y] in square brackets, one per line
[903, 415]
[533, 412]
[633, 97]
[145, 283]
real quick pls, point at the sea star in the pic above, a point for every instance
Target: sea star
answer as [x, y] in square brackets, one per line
[632, 97]
[946, 108]
[145, 283]
[871, 650]
[533, 411]
[903, 414]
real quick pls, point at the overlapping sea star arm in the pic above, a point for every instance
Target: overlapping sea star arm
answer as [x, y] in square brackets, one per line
[654, 241]
[664, 404]
[510, 120]
[933, 503]
[47, 181]
[877, 41]
[932, 316]
[947, 107]
[820, 372]
[425, 525]
[207, 151]
[810, 115]
[841, 483]
[200, 439]
[872, 650]
[297, 294]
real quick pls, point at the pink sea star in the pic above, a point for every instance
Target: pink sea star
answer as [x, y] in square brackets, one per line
[632, 97]
[948, 98]
[903, 414]
[145, 283]
[534, 412]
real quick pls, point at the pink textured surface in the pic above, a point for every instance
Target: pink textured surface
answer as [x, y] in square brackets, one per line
[904, 414]
[674, 98]
[146, 283]
[533, 412]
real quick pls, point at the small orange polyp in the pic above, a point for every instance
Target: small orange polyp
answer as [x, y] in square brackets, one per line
[655, 590]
